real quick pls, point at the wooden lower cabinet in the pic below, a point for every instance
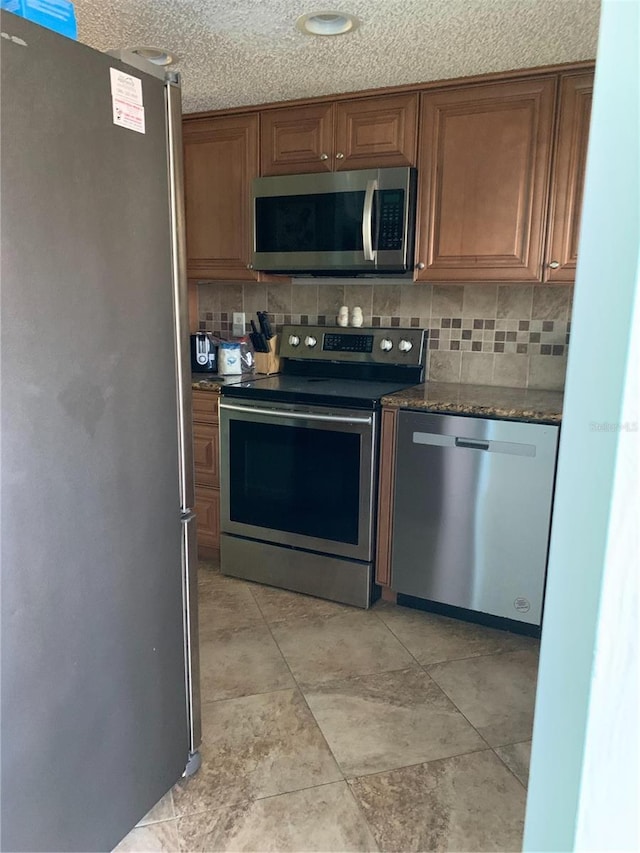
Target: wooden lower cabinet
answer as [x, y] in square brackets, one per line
[206, 457]
[208, 520]
[206, 454]
[386, 487]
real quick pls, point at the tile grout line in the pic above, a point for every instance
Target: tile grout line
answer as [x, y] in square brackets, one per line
[419, 764]
[322, 734]
[304, 698]
[450, 698]
[362, 813]
[299, 688]
[428, 674]
[423, 667]
[456, 706]
[204, 702]
[499, 757]
[365, 675]
[420, 666]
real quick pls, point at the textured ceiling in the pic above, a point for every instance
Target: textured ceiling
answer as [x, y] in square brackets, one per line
[239, 52]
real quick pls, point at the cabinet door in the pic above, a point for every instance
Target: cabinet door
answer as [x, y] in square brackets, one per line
[567, 182]
[386, 490]
[376, 132]
[207, 511]
[297, 140]
[220, 161]
[483, 179]
[206, 454]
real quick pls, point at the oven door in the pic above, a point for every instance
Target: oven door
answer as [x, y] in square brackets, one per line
[296, 476]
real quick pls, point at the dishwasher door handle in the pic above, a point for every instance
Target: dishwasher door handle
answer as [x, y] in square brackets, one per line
[510, 448]
[474, 445]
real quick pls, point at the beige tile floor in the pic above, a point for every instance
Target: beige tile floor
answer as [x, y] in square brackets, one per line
[330, 728]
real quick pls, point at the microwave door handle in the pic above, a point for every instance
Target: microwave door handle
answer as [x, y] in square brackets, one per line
[367, 222]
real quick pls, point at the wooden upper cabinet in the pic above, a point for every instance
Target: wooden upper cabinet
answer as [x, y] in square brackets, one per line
[373, 133]
[220, 161]
[365, 133]
[297, 140]
[483, 180]
[567, 182]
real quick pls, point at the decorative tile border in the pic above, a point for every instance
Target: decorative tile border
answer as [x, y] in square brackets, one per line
[522, 337]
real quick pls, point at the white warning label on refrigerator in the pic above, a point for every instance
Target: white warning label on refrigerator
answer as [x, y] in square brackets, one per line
[128, 115]
[126, 100]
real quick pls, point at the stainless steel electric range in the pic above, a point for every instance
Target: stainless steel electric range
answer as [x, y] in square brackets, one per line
[299, 455]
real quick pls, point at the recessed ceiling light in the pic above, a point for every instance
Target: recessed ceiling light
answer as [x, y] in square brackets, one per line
[156, 55]
[329, 23]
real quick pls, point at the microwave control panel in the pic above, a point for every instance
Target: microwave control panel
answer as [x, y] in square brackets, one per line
[390, 225]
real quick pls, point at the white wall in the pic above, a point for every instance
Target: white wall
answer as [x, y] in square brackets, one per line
[583, 789]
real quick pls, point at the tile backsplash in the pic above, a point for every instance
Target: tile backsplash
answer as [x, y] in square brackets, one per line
[513, 335]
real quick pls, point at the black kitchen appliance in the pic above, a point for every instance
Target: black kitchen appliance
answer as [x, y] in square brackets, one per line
[336, 223]
[299, 459]
[204, 353]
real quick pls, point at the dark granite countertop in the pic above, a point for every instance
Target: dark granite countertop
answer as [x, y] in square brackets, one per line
[523, 404]
[214, 382]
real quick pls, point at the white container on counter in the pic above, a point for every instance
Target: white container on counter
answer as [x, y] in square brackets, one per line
[229, 359]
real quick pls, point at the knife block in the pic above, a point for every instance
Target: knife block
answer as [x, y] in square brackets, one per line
[268, 362]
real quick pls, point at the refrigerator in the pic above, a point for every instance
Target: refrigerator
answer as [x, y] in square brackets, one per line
[99, 667]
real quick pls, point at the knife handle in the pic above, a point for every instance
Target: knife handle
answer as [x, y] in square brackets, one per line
[265, 325]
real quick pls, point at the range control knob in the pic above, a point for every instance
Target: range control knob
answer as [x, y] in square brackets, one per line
[294, 340]
[386, 345]
[405, 346]
[310, 341]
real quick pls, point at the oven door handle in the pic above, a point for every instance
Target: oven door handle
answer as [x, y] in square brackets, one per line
[300, 416]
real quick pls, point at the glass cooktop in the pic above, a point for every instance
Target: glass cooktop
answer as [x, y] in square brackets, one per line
[284, 388]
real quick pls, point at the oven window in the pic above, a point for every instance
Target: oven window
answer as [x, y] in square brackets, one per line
[295, 479]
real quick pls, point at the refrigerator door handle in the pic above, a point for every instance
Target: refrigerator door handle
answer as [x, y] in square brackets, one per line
[180, 292]
[191, 644]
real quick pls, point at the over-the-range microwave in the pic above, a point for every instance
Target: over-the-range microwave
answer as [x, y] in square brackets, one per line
[335, 223]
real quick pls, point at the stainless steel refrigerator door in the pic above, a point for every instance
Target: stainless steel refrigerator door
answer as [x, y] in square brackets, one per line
[472, 511]
[94, 712]
[185, 423]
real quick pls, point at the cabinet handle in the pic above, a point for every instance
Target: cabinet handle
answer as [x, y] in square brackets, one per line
[554, 265]
[249, 266]
[339, 156]
[324, 156]
[421, 265]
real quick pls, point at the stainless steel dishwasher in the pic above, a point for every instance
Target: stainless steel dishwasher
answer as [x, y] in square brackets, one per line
[472, 512]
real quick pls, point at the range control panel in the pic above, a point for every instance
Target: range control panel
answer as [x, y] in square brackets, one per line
[364, 345]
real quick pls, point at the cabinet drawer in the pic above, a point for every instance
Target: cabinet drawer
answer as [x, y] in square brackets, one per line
[207, 510]
[206, 454]
[205, 406]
